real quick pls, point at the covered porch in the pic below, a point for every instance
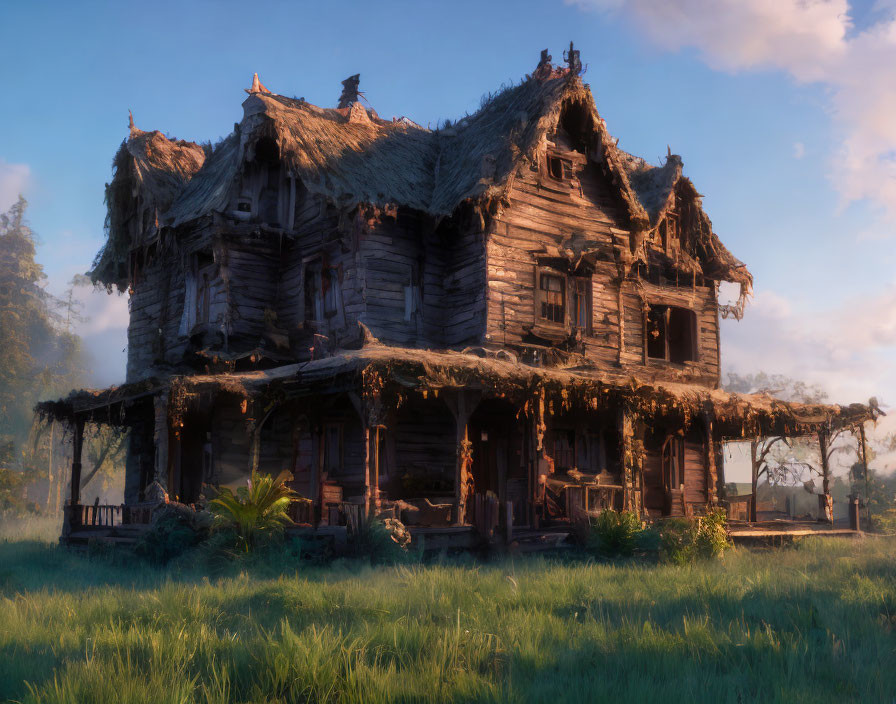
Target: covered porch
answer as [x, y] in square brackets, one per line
[462, 448]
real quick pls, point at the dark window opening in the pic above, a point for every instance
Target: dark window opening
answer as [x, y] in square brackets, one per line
[576, 121]
[555, 168]
[267, 158]
[671, 334]
[553, 290]
[681, 329]
[314, 307]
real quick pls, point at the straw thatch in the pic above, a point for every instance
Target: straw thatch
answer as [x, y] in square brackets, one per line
[150, 172]
[400, 370]
[352, 157]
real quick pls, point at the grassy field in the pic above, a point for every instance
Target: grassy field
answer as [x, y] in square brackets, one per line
[813, 623]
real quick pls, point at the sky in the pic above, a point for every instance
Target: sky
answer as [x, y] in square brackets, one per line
[781, 109]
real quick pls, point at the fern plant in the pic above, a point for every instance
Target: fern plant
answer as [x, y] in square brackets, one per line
[255, 510]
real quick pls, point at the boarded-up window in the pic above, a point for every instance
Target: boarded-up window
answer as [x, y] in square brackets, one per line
[671, 334]
[552, 289]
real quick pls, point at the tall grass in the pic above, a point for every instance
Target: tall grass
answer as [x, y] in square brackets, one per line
[814, 623]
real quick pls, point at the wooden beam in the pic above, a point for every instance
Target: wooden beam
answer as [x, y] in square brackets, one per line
[77, 447]
[825, 501]
[754, 476]
[160, 438]
[711, 469]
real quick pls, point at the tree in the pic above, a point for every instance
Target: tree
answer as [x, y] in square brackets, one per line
[41, 356]
[777, 385]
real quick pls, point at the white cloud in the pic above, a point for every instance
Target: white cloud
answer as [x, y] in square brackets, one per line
[847, 350]
[14, 180]
[799, 150]
[102, 311]
[811, 40]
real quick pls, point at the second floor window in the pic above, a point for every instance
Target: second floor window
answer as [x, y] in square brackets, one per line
[671, 334]
[200, 290]
[552, 288]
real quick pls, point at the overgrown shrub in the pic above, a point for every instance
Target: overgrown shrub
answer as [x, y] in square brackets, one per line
[884, 521]
[619, 534]
[175, 530]
[380, 542]
[684, 540]
[255, 512]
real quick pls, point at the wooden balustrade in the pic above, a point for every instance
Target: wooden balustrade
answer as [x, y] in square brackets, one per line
[99, 515]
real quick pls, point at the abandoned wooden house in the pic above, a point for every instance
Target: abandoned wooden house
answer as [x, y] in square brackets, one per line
[507, 321]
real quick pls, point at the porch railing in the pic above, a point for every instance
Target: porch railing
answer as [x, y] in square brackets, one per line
[93, 515]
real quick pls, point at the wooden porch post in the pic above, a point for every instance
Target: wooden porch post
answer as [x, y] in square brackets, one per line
[75, 491]
[754, 476]
[712, 471]
[367, 449]
[865, 465]
[314, 427]
[376, 467]
[160, 438]
[630, 500]
[825, 502]
[461, 407]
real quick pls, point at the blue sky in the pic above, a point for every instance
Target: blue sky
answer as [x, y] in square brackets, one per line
[778, 107]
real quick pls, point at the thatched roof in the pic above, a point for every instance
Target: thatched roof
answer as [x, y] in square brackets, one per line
[404, 370]
[151, 172]
[351, 156]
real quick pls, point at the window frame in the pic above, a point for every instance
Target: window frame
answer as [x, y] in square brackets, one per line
[582, 303]
[668, 332]
[550, 300]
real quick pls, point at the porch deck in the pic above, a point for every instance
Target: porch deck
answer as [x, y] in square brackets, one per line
[783, 528]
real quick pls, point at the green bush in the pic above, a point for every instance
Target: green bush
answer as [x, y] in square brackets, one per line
[618, 534]
[175, 530]
[380, 543]
[884, 521]
[255, 512]
[684, 540]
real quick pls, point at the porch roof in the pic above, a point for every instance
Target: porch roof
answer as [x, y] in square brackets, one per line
[402, 370]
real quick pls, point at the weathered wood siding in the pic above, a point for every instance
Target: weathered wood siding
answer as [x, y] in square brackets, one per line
[542, 218]
[231, 446]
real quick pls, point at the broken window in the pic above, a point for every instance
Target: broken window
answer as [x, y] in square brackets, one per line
[671, 334]
[552, 289]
